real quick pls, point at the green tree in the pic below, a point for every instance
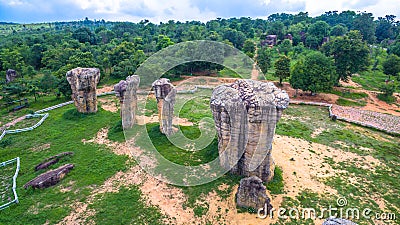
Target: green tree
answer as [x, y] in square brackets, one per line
[282, 68]
[338, 30]
[316, 33]
[315, 73]
[285, 47]
[249, 48]
[264, 59]
[237, 38]
[49, 82]
[391, 66]
[385, 28]
[351, 54]
[83, 34]
[395, 48]
[364, 22]
[163, 42]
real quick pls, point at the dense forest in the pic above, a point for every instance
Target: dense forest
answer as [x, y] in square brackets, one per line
[318, 52]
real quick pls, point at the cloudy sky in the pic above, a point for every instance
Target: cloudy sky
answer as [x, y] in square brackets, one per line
[28, 11]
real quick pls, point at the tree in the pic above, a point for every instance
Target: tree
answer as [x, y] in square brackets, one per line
[48, 82]
[391, 66]
[315, 73]
[285, 47]
[316, 33]
[277, 28]
[338, 30]
[264, 59]
[83, 34]
[237, 38]
[395, 48]
[385, 28]
[249, 48]
[364, 22]
[282, 68]
[163, 42]
[351, 54]
[387, 90]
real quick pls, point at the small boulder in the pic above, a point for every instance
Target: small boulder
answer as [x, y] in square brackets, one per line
[252, 194]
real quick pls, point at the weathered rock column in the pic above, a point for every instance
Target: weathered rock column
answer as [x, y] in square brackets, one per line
[126, 91]
[10, 75]
[245, 114]
[165, 93]
[83, 83]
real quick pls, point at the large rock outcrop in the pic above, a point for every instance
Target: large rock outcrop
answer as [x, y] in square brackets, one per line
[245, 114]
[253, 194]
[10, 75]
[165, 93]
[83, 83]
[126, 91]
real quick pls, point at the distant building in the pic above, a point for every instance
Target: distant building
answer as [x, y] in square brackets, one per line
[270, 40]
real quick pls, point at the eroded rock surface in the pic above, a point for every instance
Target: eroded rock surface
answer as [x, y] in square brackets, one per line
[252, 194]
[165, 93]
[10, 75]
[83, 83]
[245, 114]
[49, 178]
[126, 91]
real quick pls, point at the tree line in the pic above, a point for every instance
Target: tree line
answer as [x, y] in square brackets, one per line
[340, 43]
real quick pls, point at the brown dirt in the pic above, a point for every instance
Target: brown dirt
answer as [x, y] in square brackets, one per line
[142, 120]
[104, 89]
[108, 104]
[40, 148]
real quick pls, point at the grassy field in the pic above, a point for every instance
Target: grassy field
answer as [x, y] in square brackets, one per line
[94, 164]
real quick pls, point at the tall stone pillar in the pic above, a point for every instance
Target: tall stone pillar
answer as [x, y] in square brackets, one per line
[165, 93]
[245, 114]
[83, 83]
[126, 91]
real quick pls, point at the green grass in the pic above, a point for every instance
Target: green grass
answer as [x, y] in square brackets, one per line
[127, 206]
[371, 80]
[176, 154]
[275, 186]
[349, 94]
[93, 165]
[346, 102]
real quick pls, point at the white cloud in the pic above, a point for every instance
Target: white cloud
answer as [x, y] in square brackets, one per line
[182, 10]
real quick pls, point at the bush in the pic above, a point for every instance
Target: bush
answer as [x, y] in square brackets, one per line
[73, 114]
[387, 99]
[5, 142]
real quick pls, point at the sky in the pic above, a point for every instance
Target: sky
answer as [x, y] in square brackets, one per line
[36, 11]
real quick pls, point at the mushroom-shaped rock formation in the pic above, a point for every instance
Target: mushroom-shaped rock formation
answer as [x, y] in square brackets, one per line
[165, 93]
[245, 114]
[83, 83]
[126, 91]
